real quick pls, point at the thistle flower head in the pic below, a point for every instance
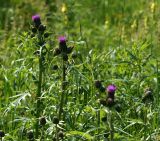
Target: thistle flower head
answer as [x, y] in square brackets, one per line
[62, 39]
[42, 121]
[62, 45]
[30, 135]
[111, 89]
[2, 134]
[37, 20]
[98, 84]
[110, 102]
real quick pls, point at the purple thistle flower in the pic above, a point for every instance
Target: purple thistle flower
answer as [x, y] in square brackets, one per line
[111, 89]
[62, 39]
[62, 44]
[37, 20]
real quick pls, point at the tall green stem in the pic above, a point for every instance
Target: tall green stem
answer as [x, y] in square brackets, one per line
[39, 88]
[57, 137]
[42, 134]
[111, 126]
[145, 123]
[63, 88]
[98, 122]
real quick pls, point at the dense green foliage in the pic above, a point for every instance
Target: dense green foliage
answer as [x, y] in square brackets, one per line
[115, 42]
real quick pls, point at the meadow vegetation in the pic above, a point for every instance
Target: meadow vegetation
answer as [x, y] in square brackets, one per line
[85, 70]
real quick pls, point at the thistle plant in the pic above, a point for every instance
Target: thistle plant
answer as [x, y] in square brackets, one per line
[38, 30]
[42, 123]
[109, 102]
[147, 99]
[63, 50]
[30, 135]
[99, 86]
[37, 103]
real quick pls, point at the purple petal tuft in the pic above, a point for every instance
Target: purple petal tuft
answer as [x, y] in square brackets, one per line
[36, 18]
[62, 39]
[111, 89]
